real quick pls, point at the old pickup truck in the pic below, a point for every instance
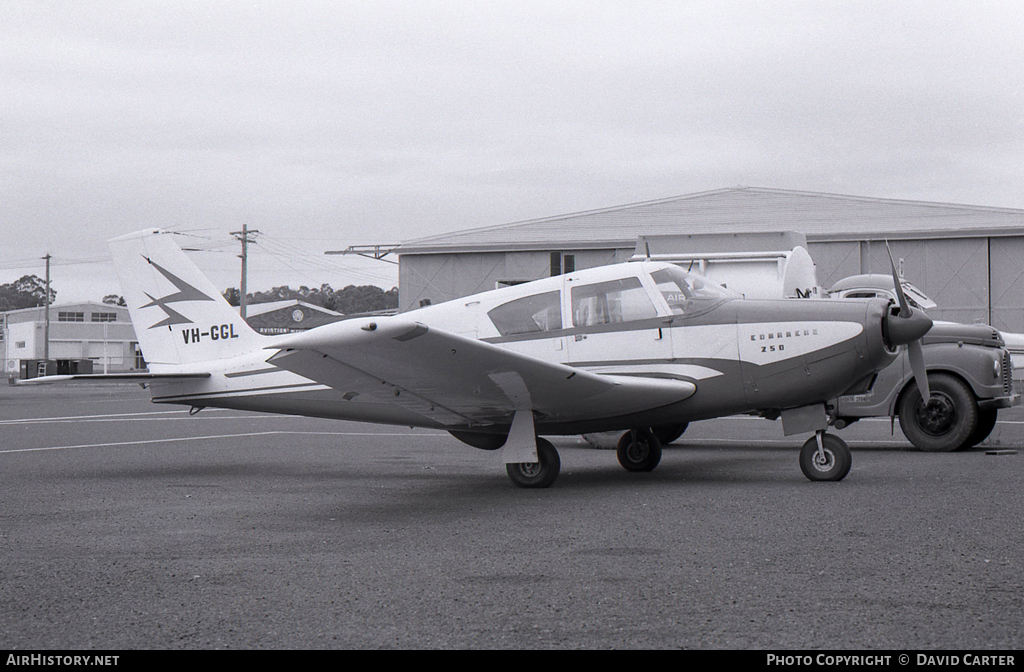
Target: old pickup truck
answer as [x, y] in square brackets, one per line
[970, 374]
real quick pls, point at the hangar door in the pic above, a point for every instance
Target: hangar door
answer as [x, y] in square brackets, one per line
[1007, 278]
[834, 261]
[952, 272]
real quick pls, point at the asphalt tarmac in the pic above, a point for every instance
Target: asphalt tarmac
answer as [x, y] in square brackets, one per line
[126, 525]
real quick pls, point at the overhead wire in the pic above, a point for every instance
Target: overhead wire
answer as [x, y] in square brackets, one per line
[289, 255]
[39, 262]
[283, 250]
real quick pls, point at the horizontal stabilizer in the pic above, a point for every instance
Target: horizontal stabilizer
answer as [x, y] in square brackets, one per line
[110, 377]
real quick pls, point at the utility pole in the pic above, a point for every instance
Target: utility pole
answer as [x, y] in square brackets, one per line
[46, 318]
[243, 236]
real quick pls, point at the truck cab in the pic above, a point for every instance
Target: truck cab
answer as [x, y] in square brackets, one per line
[871, 285]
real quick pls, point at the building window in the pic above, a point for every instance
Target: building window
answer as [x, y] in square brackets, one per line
[70, 316]
[104, 317]
[562, 263]
[20, 345]
[140, 361]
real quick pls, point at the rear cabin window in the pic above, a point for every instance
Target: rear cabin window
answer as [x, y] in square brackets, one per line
[530, 314]
[622, 300]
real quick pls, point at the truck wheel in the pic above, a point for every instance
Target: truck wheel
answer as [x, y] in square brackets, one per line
[949, 419]
[986, 423]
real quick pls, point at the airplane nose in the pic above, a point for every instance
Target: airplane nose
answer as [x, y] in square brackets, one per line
[902, 330]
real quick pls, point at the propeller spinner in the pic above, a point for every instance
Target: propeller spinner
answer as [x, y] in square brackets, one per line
[907, 328]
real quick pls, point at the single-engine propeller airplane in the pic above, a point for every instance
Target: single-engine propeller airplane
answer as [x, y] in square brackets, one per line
[636, 347]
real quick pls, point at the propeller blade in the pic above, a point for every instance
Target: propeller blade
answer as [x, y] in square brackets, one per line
[905, 310]
[915, 353]
[916, 356]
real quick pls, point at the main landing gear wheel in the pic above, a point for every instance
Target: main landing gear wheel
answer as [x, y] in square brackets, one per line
[639, 450]
[829, 462]
[536, 474]
[947, 422]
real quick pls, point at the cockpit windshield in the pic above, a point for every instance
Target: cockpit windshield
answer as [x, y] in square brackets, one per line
[688, 293]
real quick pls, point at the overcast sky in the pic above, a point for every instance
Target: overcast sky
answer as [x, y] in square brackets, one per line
[328, 124]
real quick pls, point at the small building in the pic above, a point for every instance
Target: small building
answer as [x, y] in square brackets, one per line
[289, 316]
[83, 338]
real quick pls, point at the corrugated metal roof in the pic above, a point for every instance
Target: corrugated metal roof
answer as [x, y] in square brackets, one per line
[83, 305]
[820, 216]
[253, 309]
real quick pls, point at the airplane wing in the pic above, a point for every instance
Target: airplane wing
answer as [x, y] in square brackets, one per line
[456, 380]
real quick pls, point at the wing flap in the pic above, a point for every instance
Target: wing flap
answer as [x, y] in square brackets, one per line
[359, 384]
[461, 379]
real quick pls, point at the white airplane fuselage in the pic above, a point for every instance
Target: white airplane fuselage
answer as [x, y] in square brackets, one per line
[643, 347]
[742, 356]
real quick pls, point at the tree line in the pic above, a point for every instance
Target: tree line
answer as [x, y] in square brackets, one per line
[351, 299]
[29, 291]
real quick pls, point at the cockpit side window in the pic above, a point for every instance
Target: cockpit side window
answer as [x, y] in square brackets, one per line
[688, 293]
[621, 300]
[529, 314]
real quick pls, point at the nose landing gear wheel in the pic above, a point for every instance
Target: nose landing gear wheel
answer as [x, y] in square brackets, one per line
[536, 474]
[639, 450]
[830, 463]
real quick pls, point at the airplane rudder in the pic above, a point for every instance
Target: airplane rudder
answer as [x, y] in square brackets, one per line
[178, 314]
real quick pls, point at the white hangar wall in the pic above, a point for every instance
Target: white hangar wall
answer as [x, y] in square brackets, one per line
[974, 279]
[444, 276]
[968, 259]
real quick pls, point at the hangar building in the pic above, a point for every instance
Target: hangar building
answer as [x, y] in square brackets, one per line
[288, 316]
[96, 337]
[84, 338]
[969, 259]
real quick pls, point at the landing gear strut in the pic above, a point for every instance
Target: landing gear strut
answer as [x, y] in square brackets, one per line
[825, 457]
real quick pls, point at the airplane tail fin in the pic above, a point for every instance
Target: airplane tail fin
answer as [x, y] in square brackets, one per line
[179, 316]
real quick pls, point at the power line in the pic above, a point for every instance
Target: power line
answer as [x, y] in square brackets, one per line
[280, 248]
[16, 264]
